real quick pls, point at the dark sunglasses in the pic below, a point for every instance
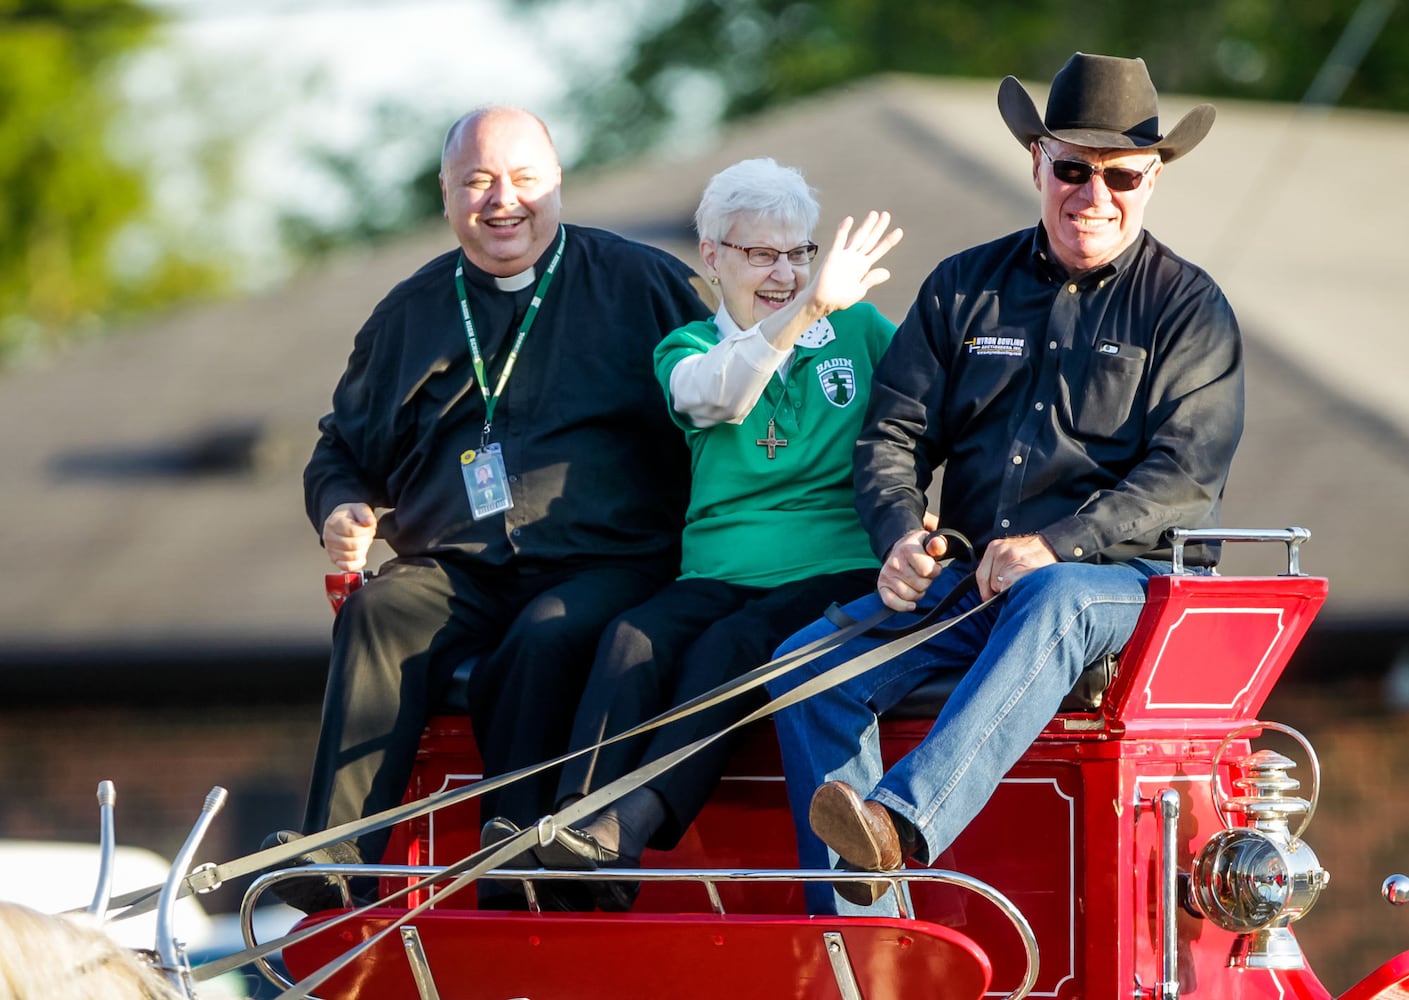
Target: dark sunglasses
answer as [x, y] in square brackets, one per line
[767, 256]
[1078, 172]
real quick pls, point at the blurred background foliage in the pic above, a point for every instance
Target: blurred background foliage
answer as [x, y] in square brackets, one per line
[67, 196]
[85, 245]
[744, 55]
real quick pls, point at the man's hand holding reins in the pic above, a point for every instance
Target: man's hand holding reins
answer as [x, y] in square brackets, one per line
[910, 567]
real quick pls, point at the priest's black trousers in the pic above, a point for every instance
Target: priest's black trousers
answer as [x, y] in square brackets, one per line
[398, 640]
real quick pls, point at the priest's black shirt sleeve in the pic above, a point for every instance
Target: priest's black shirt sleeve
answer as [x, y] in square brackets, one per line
[596, 468]
[1096, 411]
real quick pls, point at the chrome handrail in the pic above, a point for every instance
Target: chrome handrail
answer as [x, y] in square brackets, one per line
[708, 879]
[1291, 537]
[1167, 802]
[107, 850]
[172, 952]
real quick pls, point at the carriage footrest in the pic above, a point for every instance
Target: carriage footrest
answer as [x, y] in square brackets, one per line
[649, 956]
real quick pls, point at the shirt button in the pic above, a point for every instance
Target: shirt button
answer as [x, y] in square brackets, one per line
[1017, 460]
[1004, 523]
[514, 479]
[1072, 289]
[519, 531]
[1039, 406]
[1078, 552]
[1051, 345]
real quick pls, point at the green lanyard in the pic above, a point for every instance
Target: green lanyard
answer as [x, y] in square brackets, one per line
[490, 401]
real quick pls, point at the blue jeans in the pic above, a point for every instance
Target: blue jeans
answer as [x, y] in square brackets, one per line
[1019, 659]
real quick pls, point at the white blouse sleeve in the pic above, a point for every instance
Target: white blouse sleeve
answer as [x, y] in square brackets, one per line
[723, 384]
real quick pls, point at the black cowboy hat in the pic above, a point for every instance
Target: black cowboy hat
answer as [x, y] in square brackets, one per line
[1103, 102]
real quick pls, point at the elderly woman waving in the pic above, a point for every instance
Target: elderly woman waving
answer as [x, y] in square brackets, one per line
[770, 394]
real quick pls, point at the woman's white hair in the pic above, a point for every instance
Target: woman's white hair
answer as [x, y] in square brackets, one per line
[760, 187]
[44, 957]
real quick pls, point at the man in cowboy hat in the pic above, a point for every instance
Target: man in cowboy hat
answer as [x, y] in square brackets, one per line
[1082, 388]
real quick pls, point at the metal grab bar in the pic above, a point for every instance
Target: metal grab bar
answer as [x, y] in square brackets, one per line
[171, 950]
[1167, 802]
[107, 847]
[1291, 537]
[707, 879]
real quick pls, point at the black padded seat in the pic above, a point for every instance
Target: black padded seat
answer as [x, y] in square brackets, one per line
[456, 699]
[1085, 696]
[922, 703]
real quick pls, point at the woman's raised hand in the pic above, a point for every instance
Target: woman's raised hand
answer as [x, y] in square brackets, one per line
[849, 271]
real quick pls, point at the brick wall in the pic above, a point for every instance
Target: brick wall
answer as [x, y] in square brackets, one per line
[1360, 831]
[163, 764]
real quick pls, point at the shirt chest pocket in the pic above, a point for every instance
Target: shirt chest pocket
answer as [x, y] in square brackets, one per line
[1102, 386]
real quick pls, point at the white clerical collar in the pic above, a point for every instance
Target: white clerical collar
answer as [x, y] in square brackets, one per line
[515, 281]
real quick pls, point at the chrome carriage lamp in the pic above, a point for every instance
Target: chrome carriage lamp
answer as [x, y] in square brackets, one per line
[1256, 880]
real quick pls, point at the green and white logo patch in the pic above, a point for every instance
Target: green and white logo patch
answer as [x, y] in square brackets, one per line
[838, 379]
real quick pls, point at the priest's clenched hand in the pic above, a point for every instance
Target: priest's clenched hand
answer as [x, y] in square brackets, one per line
[347, 535]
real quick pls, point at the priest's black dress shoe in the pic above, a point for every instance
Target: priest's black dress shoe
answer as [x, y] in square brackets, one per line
[573, 849]
[552, 894]
[314, 893]
[498, 829]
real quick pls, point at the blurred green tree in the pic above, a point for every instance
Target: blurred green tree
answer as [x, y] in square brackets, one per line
[83, 242]
[745, 54]
[66, 196]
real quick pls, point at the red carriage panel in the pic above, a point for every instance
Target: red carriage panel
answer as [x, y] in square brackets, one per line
[1209, 649]
[1071, 837]
[630, 957]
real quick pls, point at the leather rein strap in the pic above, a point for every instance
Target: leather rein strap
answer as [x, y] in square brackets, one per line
[471, 868]
[458, 875]
[140, 901]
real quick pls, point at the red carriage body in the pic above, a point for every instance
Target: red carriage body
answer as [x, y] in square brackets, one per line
[1092, 837]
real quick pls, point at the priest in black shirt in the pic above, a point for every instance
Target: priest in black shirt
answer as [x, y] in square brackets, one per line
[500, 425]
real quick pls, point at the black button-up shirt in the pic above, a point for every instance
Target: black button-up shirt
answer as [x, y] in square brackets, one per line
[1096, 410]
[596, 468]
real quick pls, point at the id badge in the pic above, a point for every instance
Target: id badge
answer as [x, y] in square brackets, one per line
[485, 481]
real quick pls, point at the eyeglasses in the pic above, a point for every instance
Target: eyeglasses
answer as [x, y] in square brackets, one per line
[767, 256]
[1078, 172]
